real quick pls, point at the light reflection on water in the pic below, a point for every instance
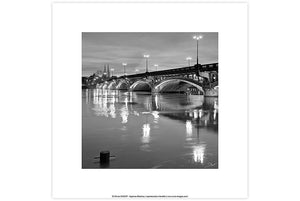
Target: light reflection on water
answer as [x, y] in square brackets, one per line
[149, 130]
[199, 153]
[146, 134]
[189, 129]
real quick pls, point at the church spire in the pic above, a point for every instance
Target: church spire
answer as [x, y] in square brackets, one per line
[104, 71]
[108, 71]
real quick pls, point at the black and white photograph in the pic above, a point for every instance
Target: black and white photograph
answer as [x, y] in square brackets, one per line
[125, 99]
[150, 100]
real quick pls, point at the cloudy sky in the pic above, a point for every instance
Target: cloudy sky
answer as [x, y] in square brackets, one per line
[168, 50]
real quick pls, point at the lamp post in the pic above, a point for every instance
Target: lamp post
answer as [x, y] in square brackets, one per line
[124, 65]
[112, 72]
[189, 60]
[197, 38]
[136, 71]
[147, 57]
[155, 65]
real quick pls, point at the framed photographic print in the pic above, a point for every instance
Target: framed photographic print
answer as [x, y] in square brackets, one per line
[149, 100]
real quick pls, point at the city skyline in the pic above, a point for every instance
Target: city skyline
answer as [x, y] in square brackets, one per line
[167, 50]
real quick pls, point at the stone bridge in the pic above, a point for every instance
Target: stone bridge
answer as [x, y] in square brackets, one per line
[201, 79]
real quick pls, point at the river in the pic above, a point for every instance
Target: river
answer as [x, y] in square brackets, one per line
[144, 130]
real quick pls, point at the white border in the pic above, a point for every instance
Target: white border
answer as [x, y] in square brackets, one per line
[70, 20]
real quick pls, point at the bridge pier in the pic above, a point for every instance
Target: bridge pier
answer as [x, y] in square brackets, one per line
[211, 92]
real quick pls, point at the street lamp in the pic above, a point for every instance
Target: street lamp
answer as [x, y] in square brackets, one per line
[189, 60]
[136, 71]
[155, 65]
[197, 38]
[112, 72]
[146, 56]
[124, 65]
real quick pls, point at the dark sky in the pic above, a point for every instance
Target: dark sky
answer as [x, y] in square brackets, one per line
[168, 50]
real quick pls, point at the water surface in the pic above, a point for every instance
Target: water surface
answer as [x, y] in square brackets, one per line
[144, 130]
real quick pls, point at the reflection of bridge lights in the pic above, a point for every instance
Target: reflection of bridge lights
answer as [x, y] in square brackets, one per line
[113, 93]
[146, 133]
[200, 113]
[104, 109]
[215, 104]
[100, 102]
[195, 114]
[112, 111]
[215, 114]
[198, 153]
[124, 115]
[147, 104]
[113, 99]
[95, 97]
[104, 101]
[156, 116]
[156, 101]
[126, 102]
[189, 128]
[105, 93]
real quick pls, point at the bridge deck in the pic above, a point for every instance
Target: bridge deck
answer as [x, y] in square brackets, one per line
[183, 70]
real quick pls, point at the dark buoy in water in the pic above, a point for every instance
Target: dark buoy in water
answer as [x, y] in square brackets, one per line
[104, 156]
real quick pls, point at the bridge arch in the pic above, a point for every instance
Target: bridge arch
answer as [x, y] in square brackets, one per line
[177, 85]
[141, 85]
[99, 86]
[122, 85]
[105, 85]
[112, 85]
